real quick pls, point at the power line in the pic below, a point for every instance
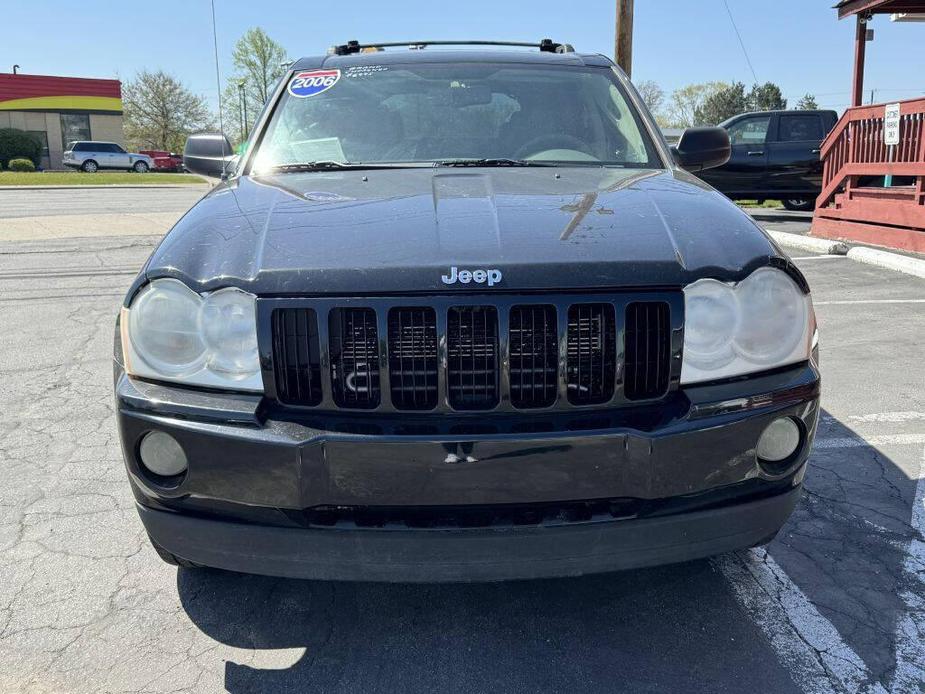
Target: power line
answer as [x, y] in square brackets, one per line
[741, 43]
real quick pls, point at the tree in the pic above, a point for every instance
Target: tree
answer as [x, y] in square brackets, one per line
[766, 97]
[652, 96]
[259, 63]
[686, 101]
[807, 103]
[728, 101]
[160, 112]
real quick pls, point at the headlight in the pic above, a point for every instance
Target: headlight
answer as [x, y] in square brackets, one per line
[172, 333]
[761, 323]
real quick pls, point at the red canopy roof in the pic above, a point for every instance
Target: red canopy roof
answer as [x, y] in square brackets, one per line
[846, 8]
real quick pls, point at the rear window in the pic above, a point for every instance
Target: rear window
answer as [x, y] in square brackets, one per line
[80, 147]
[425, 113]
[797, 128]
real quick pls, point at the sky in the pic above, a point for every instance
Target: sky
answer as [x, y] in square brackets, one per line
[799, 44]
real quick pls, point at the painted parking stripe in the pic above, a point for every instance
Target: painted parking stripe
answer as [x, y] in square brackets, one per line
[858, 442]
[849, 302]
[805, 642]
[889, 417]
[909, 673]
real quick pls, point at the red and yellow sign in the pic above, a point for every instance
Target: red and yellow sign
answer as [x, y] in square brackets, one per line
[47, 93]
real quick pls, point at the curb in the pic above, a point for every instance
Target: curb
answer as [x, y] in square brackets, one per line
[809, 243]
[862, 254]
[890, 261]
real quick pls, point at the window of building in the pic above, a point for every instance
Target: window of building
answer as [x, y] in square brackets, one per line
[74, 126]
[42, 137]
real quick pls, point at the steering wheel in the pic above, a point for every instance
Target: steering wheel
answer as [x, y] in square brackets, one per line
[551, 141]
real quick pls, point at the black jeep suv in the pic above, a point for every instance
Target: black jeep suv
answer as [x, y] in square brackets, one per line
[462, 315]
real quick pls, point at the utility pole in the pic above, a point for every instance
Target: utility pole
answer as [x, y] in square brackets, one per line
[242, 103]
[623, 36]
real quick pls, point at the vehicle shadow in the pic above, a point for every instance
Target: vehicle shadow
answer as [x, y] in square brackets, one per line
[771, 215]
[847, 542]
[582, 634]
[668, 628]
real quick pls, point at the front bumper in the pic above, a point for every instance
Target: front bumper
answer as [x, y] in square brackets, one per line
[685, 483]
[487, 554]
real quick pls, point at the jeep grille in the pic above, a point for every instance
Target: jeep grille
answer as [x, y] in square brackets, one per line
[509, 354]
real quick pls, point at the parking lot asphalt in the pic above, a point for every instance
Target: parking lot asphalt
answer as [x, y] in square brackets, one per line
[835, 603]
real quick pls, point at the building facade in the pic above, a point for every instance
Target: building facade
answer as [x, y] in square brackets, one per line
[59, 110]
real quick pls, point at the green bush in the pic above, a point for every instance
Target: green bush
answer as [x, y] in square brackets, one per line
[21, 165]
[18, 144]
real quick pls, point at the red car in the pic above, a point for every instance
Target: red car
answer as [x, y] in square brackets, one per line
[163, 160]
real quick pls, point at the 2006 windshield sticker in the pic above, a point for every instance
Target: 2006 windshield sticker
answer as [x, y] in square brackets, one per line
[313, 82]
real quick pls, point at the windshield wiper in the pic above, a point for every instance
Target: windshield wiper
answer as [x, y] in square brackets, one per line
[330, 165]
[495, 161]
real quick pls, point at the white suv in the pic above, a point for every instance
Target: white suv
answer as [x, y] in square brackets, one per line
[91, 156]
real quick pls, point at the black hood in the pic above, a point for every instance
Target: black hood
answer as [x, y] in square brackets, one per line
[399, 230]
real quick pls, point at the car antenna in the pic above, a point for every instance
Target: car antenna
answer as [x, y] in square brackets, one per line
[218, 86]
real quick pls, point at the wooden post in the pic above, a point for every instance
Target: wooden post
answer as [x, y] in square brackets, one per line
[623, 36]
[860, 46]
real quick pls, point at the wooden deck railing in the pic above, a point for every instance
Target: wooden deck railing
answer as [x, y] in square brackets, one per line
[855, 158]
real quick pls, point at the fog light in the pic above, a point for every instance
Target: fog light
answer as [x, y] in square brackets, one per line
[779, 440]
[161, 454]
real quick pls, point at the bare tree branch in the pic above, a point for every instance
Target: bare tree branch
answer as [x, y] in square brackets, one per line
[160, 112]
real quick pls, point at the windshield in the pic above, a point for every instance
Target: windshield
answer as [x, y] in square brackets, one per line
[380, 114]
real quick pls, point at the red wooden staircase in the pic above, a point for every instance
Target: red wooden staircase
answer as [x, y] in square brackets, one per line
[871, 192]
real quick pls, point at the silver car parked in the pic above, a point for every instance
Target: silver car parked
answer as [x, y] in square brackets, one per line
[90, 156]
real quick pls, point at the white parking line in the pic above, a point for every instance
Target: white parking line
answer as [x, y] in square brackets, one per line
[808, 645]
[909, 674]
[858, 442]
[817, 257]
[848, 302]
[888, 417]
[805, 641]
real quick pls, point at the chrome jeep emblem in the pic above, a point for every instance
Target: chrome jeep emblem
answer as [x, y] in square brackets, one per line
[480, 276]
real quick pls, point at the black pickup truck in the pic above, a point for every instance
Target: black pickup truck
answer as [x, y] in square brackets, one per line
[775, 156]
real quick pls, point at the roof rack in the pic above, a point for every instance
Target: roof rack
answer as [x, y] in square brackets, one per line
[545, 46]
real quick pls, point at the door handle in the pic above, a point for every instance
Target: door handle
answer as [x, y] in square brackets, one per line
[756, 154]
[815, 151]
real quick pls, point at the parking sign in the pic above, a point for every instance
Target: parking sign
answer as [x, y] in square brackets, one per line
[891, 125]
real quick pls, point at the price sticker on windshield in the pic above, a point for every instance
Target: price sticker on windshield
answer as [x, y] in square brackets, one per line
[313, 82]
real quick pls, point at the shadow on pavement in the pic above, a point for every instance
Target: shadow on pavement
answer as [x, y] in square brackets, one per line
[846, 544]
[671, 628]
[769, 215]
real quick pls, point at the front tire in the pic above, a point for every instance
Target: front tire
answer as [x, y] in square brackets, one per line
[140, 167]
[89, 166]
[799, 204]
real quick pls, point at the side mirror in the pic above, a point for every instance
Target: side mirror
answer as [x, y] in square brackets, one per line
[702, 148]
[209, 154]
